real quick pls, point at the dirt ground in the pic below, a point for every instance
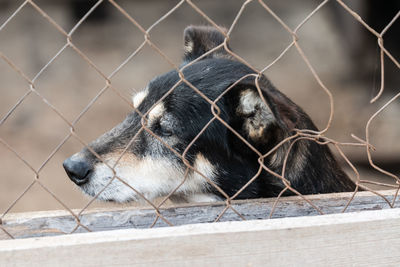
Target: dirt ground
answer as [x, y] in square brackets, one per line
[69, 83]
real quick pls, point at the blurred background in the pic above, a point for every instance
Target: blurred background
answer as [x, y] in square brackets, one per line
[344, 54]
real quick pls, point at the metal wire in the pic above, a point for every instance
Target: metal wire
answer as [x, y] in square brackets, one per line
[300, 134]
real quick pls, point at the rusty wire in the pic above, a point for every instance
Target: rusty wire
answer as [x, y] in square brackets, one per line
[300, 134]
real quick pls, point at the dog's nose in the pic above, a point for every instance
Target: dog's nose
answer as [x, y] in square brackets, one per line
[78, 170]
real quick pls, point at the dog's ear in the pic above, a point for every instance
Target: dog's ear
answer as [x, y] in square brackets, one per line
[262, 116]
[201, 39]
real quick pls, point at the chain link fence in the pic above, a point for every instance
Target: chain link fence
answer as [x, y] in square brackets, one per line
[31, 85]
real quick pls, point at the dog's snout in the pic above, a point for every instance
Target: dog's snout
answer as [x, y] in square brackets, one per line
[78, 170]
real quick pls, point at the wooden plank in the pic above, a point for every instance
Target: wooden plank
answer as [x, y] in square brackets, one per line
[369, 238]
[60, 222]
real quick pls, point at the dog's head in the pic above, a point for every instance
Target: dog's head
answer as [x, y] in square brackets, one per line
[146, 150]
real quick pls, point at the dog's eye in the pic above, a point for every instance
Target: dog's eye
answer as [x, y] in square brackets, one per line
[165, 132]
[163, 129]
[166, 126]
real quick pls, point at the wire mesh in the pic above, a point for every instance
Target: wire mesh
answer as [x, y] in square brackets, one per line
[300, 134]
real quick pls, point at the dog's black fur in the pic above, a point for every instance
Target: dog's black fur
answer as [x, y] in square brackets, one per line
[311, 168]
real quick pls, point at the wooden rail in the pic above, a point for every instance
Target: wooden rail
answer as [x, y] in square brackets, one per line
[368, 238]
[51, 223]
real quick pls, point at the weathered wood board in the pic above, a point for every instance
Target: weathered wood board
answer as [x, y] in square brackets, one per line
[368, 238]
[61, 222]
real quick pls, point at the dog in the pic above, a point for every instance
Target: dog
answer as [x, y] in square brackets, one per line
[221, 163]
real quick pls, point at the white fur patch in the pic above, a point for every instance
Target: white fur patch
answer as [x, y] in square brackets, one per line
[139, 97]
[151, 177]
[157, 111]
[188, 48]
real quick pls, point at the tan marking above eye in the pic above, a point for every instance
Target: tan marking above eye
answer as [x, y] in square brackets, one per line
[157, 111]
[139, 97]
